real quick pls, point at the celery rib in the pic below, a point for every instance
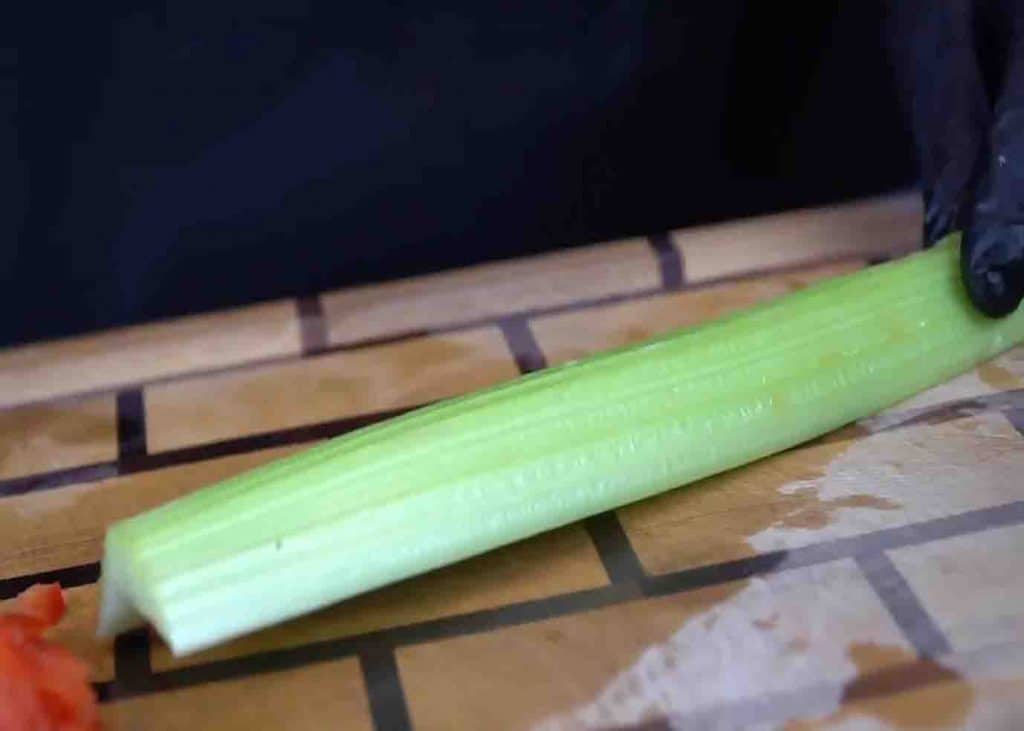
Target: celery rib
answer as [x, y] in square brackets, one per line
[472, 473]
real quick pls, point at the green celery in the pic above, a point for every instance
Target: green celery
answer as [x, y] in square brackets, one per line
[469, 474]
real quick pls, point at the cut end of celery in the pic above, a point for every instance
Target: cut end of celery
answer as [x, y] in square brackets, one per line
[117, 612]
[118, 609]
[125, 604]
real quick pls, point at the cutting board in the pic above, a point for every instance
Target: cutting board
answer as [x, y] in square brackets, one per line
[866, 580]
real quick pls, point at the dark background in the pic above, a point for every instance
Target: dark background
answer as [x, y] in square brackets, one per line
[174, 158]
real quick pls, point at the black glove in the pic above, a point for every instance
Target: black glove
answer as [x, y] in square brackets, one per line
[960, 64]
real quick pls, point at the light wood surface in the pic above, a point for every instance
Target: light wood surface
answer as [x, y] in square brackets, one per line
[489, 290]
[307, 699]
[332, 386]
[54, 436]
[138, 354]
[611, 667]
[47, 529]
[866, 229]
[573, 335]
[866, 580]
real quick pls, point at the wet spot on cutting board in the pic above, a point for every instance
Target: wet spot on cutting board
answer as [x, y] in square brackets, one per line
[908, 693]
[791, 631]
[767, 623]
[998, 377]
[798, 644]
[818, 514]
[714, 519]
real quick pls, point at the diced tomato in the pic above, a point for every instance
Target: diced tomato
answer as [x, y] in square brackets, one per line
[44, 602]
[43, 686]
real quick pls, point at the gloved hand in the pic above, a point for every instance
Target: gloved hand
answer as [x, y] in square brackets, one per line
[960, 66]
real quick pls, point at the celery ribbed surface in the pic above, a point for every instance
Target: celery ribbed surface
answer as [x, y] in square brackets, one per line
[473, 473]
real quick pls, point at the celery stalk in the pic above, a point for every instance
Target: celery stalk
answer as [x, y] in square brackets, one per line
[472, 473]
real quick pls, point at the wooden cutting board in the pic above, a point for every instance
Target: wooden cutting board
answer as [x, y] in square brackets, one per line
[866, 580]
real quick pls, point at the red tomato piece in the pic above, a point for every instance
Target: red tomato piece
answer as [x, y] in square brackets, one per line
[44, 602]
[43, 686]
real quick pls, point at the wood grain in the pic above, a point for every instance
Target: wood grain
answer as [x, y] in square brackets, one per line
[622, 665]
[888, 226]
[845, 484]
[110, 359]
[66, 526]
[911, 693]
[57, 435]
[467, 295]
[574, 335]
[412, 372]
[313, 698]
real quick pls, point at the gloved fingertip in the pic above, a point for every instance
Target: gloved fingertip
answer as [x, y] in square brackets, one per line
[992, 266]
[939, 221]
